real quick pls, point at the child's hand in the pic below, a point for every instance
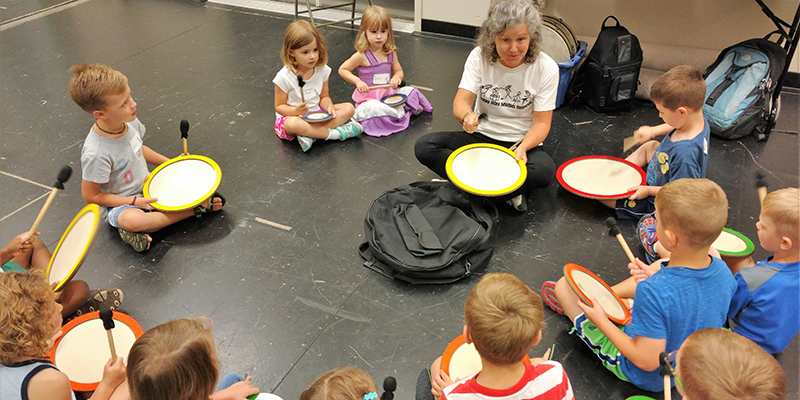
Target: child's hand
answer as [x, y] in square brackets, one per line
[362, 87]
[114, 373]
[395, 82]
[641, 271]
[439, 382]
[144, 202]
[643, 134]
[20, 244]
[595, 312]
[332, 111]
[543, 358]
[641, 192]
[301, 109]
[237, 391]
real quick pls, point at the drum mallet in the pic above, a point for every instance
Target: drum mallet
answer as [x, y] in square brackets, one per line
[666, 373]
[611, 222]
[63, 176]
[301, 83]
[107, 315]
[389, 386]
[402, 83]
[185, 135]
[761, 186]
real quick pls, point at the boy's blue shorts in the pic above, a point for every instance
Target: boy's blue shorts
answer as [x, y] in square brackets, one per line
[635, 209]
[113, 213]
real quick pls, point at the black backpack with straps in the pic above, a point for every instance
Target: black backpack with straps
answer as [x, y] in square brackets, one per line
[608, 79]
[428, 233]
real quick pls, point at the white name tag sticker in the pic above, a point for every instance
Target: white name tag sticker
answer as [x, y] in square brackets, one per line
[309, 92]
[381, 79]
[136, 146]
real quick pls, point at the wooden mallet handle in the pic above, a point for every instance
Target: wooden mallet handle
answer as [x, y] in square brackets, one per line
[185, 135]
[402, 83]
[612, 223]
[301, 83]
[63, 176]
[107, 315]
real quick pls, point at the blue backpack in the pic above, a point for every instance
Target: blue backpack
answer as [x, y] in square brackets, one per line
[739, 88]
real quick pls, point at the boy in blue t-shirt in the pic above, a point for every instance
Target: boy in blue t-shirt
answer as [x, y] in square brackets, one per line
[692, 291]
[766, 305]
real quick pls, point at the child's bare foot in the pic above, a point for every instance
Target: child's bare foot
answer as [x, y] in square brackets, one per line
[215, 204]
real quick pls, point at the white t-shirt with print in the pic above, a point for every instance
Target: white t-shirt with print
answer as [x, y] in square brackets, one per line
[509, 96]
[287, 81]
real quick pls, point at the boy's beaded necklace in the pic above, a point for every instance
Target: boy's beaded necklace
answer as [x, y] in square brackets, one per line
[124, 127]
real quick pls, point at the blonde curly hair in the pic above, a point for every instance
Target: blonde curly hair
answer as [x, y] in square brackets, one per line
[26, 306]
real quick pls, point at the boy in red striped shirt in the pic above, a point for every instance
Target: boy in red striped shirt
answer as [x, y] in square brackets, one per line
[504, 319]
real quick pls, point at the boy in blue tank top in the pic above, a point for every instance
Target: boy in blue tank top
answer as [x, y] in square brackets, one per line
[691, 291]
[766, 305]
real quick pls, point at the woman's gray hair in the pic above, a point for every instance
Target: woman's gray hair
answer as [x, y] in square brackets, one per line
[504, 14]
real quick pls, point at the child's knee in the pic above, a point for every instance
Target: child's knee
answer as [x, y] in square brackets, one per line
[293, 125]
[347, 109]
[563, 290]
[132, 219]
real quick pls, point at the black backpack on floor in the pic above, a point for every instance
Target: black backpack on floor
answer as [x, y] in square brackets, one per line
[428, 233]
[608, 79]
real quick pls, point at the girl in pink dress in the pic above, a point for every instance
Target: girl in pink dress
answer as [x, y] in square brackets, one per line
[378, 65]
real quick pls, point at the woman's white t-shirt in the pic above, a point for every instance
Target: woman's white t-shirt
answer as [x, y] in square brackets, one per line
[287, 81]
[509, 96]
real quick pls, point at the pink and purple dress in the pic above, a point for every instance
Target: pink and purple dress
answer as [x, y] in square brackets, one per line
[379, 119]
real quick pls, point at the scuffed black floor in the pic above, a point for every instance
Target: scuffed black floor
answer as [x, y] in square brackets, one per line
[289, 306]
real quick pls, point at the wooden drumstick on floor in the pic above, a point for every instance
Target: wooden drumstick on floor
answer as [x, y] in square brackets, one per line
[107, 315]
[301, 83]
[63, 176]
[185, 135]
[611, 222]
[402, 83]
[761, 186]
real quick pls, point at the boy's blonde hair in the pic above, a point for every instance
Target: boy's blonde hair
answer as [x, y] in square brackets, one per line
[715, 364]
[504, 316]
[91, 83]
[375, 17]
[696, 209]
[175, 360]
[26, 306]
[348, 383]
[782, 207]
[298, 34]
[681, 86]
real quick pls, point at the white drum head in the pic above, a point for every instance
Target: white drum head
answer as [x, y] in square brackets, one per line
[317, 116]
[267, 396]
[600, 177]
[554, 45]
[732, 243]
[83, 351]
[465, 361]
[486, 170]
[73, 246]
[592, 287]
[184, 183]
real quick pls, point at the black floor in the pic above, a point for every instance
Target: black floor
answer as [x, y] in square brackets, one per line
[288, 306]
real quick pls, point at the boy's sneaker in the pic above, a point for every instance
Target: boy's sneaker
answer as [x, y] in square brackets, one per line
[646, 231]
[305, 142]
[549, 297]
[349, 130]
[100, 299]
[137, 240]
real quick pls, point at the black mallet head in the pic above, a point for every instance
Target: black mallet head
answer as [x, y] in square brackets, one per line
[184, 128]
[761, 180]
[300, 81]
[63, 176]
[389, 386]
[107, 315]
[611, 222]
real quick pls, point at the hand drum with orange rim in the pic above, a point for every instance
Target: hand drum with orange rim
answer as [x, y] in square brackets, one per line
[600, 177]
[82, 351]
[183, 183]
[461, 360]
[73, 246]
[584, 283]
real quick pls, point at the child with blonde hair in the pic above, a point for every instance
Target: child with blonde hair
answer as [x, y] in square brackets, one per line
[348, 383]
[504, 319]
[301, 86]
[765, 307]
[378, 65]
[177, 360]
[715, 364]
[30, 321]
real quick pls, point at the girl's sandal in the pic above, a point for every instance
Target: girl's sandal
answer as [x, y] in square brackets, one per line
[200, 210]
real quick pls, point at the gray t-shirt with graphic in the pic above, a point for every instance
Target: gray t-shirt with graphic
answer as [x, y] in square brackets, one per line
[118, 165]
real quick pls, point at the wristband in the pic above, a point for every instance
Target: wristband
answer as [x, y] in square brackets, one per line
[134, 200]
